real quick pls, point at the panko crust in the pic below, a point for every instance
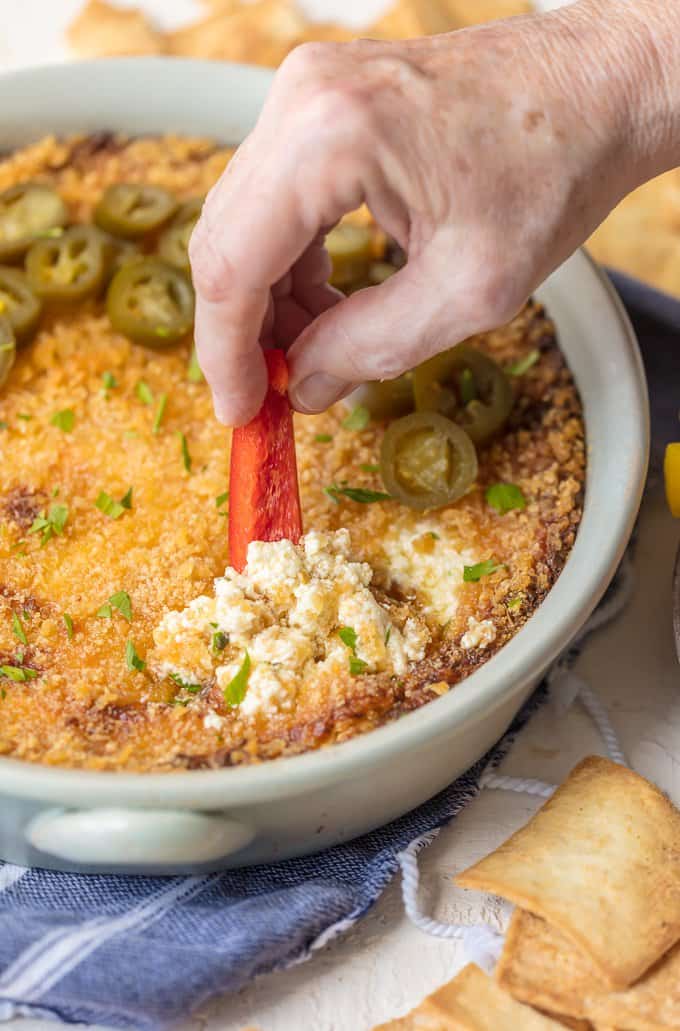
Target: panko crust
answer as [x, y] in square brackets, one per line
[86, 709]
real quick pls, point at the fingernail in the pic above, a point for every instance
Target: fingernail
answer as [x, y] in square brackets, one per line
[318, 392]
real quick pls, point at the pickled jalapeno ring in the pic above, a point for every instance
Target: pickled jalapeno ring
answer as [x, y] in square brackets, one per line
[8, 349]
[18, 303]
[173, 245]
[69, 267]
[351, 249]
[27, 211]
[151, 302]
[134, 209]
[385, 399]
[427, 461]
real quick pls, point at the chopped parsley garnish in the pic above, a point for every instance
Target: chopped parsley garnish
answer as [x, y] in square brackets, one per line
[468, 390]
[235, 691]
[49, 523]
[219, 641]
[505, 497]
[184, 684]
[64, 420]
[3, 425]
[221, 499]
[55, 492]
[388, 634]
[194, 371]
[515, 603]
[160, 412]
[109, 381]
[121, 601]
[104, 611]
[143, 392]
[348, 636]
[68, 623]
[523, 365]
[20, 674]
[358, 419]
[18, 629]
[132, 659]
[433, 535]
[369, 467]
[323, 438]
[471, 574]
[360, 494]
[186, 457]
[112, 508]
[25, 416]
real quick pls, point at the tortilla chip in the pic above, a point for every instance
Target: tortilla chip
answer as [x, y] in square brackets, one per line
[101, 30]
[326, 32]
[411, 18]
[541, 967]
[474, 1002]
[258, 33]
[474, 12]
[599, 861]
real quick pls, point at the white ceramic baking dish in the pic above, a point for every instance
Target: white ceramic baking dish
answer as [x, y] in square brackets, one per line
[202, 820]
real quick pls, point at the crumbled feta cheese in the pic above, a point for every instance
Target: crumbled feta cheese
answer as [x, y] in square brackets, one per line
[479, 634]
[213, 721]
[285, 610]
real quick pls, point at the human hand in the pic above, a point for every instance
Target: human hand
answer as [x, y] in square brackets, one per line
[488, 154]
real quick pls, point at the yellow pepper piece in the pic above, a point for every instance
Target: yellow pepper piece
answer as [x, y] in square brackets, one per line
[671, 473]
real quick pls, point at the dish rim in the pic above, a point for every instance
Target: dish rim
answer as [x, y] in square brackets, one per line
[479, 694]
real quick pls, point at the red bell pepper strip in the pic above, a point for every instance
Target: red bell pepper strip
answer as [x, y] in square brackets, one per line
[264, 500]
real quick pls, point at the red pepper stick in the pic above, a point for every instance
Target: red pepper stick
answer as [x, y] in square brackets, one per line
[264, 500]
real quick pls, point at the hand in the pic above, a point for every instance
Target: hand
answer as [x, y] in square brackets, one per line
[488, 154]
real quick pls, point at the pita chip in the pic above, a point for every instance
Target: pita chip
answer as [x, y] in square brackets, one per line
[408, 19]
[102, 30]
[541, 967]
[600, 861]
[466, 13]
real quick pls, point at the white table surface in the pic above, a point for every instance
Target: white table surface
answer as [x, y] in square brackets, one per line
[384, 966]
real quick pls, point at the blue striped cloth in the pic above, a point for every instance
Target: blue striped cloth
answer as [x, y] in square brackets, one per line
[135, 952]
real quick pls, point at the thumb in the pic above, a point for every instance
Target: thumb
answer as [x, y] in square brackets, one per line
[378, 334]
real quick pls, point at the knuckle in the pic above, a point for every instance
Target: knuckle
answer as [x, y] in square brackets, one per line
[305, 60]
[498, 297]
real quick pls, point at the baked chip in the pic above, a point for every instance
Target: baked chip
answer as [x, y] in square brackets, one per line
[599, 861]
[102, 30]
[408, 19]
[471, 1002]
[259, 33]
[473, 12]
[540, 966]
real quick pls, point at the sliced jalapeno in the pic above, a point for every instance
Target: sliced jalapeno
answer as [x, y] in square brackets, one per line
[8, 349]
[386, 399]
[351, 248]
[173, 245]
[69, 267]
[27, 211]
[117, 252]
[134, 209]
[18, 303]
[151, 302]
[427, 461]
[465, 384]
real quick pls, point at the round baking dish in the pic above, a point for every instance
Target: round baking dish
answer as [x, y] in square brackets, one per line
[204, 820]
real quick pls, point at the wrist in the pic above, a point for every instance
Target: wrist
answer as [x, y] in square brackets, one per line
[628, 54]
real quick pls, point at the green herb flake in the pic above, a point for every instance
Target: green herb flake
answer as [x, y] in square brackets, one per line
[323, 438]
[388, 634]
[235, 691]
[357, 666]
[369, 467]
[18, 629]
[515, 603]
[221, 499]
[20, 674]
[68, 623]
[104, 612]
[219, 641]
[505, 497]
[126, 500]
[4, 425]
[132, 659]
[184, 684]
[3, 693]
[434, 536]
[143, 392]
[468, 389]
[106, 504]
[109, 381]
[121, 601]
[348, 636]
[358, 494]
[49, 523]
[186, 457]
[472, 574]
[194, 371]
[25, 416]
[523, 365]
[358, 419]
[64, 420]
[160, 412]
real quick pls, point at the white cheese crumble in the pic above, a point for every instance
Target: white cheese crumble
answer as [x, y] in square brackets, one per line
[285, 610]
[479, 634]
[424, 560]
